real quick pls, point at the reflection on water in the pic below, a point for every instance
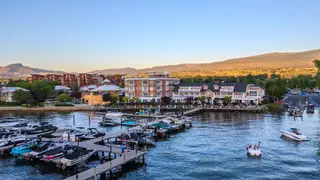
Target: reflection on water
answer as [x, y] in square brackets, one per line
[213, 149]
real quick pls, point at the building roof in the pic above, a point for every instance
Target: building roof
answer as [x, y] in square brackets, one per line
[238, 86]
[61, 88]
[12, 89]
[105, 81]
[105, 88]
[92, 87]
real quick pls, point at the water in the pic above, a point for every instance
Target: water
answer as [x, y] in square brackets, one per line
[213, 149]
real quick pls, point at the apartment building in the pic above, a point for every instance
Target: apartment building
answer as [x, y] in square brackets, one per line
[53, 77]
[155, 86]
[240, 92]
[36, 77]
[84, 79]
[117, 79]
[69, 80]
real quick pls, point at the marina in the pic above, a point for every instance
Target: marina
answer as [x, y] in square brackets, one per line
[182, 151]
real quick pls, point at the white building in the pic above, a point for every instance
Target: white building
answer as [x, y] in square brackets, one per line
[240, 92]
[8, 92]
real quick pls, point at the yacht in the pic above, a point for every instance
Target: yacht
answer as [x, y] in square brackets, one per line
[295, 134]
[108, 122]
[113, 114]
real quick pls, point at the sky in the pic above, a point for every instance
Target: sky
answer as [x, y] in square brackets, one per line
[80, 36]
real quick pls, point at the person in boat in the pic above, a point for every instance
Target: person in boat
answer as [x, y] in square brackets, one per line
[255, 147]
[123, 148]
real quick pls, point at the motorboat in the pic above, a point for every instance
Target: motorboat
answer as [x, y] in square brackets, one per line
[108, 122]
[129, 122]
[295, 134]
[254, 150]
[113, 114]
[290, 111]
[93, 133]
[165, 124]
[38, 151]
[54, 153]
[74, 156]
[26, 148]
[74, 134]
[12, 139]
[36, 128]
[310, 109]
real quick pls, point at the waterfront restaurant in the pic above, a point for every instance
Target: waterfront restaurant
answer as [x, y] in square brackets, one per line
[239, 92]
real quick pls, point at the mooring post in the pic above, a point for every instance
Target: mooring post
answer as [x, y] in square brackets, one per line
[143, 158]
[74, 122]
[89, 121]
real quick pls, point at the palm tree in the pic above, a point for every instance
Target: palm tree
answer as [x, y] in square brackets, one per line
[135, 100]
[125, 99]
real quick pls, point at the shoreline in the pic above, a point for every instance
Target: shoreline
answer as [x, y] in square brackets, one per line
[70, 109]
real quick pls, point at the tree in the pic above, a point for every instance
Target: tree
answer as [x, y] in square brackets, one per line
[126, 99]
[135, 100]
[64, 98]
[111, 97]
[202, 99]
[316, 63]
[227, 99]
[21, 96]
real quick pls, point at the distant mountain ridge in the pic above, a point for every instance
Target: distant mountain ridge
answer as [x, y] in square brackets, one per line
[19, 70]
[271, 60]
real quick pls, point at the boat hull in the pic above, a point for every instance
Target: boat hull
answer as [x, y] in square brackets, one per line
[294, 136]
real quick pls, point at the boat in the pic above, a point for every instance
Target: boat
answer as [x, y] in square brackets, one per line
[290, 111]
[129, 122]
[93, 133]
[74, 156]
[141, 139]
[74, 134]
[36, 128]
[27, 147]
[310, 109]
[113, 114]
[108, 122]
[254, 150]
[295, 134]
[54, 153]
[12, 139]
[38, 151]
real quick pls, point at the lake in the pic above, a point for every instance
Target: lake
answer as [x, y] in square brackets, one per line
[214, 148]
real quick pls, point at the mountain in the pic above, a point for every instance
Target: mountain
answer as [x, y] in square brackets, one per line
[270, 60]
[19, 70]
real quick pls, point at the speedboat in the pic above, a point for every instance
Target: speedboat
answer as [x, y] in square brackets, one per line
[36, 128]
[26, 148]
[113, 114]
[139, 138]
[38, 151]
[54, 153]
[295, 134]
[93, 133]
[12, 139]
[74, 156]
[108, 122]
[253, 150]
[129, 122]
[74, 134]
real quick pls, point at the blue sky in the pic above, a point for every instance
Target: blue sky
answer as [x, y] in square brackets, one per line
[86, 35]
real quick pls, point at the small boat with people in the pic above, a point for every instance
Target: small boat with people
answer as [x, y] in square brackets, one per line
[295, 134]
[254, 150]
[108, 122]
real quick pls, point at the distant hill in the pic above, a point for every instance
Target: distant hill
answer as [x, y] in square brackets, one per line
[270, 60]
[18, 70]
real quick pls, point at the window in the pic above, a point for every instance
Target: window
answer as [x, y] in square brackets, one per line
[253, 93]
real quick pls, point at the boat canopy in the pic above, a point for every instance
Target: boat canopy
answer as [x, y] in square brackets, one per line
[294, 129]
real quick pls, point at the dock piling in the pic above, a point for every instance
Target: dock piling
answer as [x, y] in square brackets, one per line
[89, 121]
[73, 118]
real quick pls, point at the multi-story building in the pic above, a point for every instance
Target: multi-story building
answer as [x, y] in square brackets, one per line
[155, 86]
[84, 79]
[54, 77]
[36, 77]
[98, 79]
[116, 79]
[239, 92]
[69, 80]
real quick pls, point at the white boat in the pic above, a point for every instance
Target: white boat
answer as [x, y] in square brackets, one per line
[74, 134]
[108, 122]
[295, 134]
[114, 114]
[12, 139]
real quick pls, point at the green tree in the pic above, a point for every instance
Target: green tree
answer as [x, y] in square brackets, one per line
[135, 100]
[316, 63]
[126, 99]
[202, 99]
[110, 97]
[64, 98]
[227, 99]
[21, 96]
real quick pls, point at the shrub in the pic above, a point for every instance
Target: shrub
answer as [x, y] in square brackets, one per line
[273, 107]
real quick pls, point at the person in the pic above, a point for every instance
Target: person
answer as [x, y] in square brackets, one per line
[255, 147]
[122, 148]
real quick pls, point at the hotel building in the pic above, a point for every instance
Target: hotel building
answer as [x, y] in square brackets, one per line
[155, 86]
